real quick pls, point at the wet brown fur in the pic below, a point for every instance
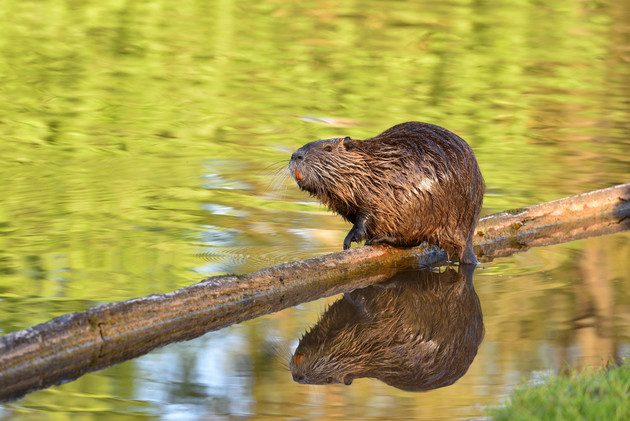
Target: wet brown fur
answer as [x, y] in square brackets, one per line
[414, 182]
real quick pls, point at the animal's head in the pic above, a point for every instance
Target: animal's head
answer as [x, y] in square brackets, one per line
[319, 167]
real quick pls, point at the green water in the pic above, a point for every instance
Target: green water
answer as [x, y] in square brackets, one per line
[142, 147]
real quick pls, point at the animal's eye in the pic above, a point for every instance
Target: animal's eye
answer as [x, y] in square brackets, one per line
[328, 148]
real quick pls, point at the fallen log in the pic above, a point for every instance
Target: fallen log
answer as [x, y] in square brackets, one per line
[69, 346]
[573, 218]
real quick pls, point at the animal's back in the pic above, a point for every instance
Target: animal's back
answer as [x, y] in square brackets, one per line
[432, 188]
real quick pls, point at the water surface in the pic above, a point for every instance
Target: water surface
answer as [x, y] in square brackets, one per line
[143, 143]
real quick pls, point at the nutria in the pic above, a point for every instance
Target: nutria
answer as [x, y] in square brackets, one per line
[418, 331]
[414, 182]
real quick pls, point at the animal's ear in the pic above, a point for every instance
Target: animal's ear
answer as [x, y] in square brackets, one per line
[347, 379]
[349, 143]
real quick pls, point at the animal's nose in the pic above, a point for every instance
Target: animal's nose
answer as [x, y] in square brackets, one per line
[297, 156]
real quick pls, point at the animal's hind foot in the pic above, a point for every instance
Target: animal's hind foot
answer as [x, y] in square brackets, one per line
[468, 257]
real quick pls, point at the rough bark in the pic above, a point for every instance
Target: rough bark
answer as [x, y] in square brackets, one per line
[71, 345]
[573, 218]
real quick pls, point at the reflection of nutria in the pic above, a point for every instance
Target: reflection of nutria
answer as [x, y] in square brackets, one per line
[414, 182]
[418, 331]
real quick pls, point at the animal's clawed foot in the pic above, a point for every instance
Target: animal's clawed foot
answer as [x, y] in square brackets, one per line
[356, 234]
[468, 255]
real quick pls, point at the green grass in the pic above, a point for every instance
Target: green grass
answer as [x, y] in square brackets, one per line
[589, 395]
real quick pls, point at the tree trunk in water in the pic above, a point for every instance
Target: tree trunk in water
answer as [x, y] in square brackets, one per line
[74, 344]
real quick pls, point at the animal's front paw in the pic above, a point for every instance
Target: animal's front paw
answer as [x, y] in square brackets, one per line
[356, 234]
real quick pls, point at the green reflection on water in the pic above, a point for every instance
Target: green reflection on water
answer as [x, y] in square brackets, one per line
[140, 140]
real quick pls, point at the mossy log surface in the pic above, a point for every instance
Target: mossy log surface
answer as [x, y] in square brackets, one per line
[591, 214]
[74, 344]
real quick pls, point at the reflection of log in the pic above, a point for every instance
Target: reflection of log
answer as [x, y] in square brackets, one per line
[71, 345]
